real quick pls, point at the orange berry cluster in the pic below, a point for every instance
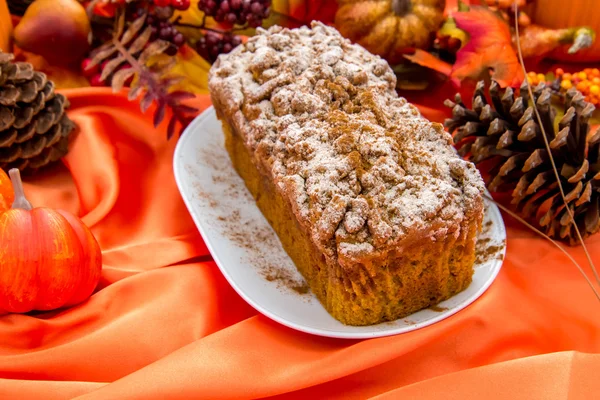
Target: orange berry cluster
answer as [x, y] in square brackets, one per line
[533, 78]
[586, 81]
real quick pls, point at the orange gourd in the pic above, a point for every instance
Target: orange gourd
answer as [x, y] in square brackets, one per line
[48, 258]
[390, 27]
[6, 192]
[561, 14]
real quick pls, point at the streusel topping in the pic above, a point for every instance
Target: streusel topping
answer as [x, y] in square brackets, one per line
[362, 170]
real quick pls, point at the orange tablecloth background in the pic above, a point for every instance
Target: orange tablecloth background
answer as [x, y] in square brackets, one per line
[164, 323]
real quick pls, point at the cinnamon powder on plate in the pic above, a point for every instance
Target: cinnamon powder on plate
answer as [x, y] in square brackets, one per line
[257, 238]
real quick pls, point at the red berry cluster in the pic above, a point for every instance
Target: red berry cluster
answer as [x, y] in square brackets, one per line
[212, 44]
[165, 30]
[181, 5]
[237, 12]
[448, 43]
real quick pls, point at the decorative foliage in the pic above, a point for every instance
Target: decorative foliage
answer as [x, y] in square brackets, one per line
[150, 48]
[505, 141]
[489, 47]
[485, 44]
[48, 258]
[213, 24]
[478, 39]
[129, 55]
[295, 13]
[192, 66]
[426, 59]
[287, 13]
[586, 81]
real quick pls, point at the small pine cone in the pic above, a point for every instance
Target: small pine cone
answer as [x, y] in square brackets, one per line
[34, 129]
[504, 139]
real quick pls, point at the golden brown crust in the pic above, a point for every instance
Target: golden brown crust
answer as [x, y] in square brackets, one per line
[379, 290]
[365, 176]
[363, 171]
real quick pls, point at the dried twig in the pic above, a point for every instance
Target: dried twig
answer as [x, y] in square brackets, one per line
[202, 26]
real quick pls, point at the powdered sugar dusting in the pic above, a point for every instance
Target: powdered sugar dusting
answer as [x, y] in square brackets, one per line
[363, 171]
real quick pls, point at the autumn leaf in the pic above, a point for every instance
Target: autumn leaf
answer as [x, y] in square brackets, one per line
[105, 9]
[489, 48]
[295, 13]
[192, 67]
[430, 61]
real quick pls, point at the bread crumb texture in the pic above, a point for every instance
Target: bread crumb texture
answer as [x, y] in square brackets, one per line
[364, 172]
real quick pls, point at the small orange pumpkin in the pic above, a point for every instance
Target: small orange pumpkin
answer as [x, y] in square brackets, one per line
[48, 258]
[390, 27]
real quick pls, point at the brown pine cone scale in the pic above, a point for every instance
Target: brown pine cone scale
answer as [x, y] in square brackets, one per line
[34, 128]
[503, 137]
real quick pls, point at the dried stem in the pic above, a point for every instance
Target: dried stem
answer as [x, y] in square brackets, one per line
[186, 25]
[90, 8]
[17, 184]
[521, 220]
[204, 27]
[401, 7]
[551, 157]
[582, 38]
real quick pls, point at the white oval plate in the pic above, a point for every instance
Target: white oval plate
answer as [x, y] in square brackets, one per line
[250, 255]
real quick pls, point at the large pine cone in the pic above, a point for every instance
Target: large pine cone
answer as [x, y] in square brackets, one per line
[34, 129]
[504, 139]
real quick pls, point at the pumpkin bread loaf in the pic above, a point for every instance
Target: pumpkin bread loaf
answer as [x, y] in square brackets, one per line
[368, 198]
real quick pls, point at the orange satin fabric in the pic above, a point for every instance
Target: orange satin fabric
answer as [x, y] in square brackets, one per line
[164, 323]
[5, 27]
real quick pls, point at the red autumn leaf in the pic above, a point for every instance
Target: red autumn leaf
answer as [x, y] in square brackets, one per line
[430, 61]
[309, 10]
[295, 13]
[104, 9]
[489, 48]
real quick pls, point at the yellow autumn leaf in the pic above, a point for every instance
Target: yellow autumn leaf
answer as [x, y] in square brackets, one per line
[191, 66]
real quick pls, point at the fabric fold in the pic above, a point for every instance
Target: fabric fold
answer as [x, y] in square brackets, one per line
[164, 322]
